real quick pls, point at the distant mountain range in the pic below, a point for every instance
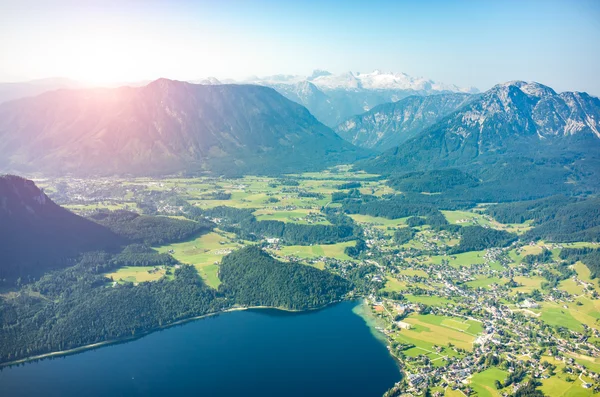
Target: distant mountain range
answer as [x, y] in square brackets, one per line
[391, 124]
[38, 235]
[330, 98]
[166, 127]
[516, 136]
[11, 91]
[334, 98]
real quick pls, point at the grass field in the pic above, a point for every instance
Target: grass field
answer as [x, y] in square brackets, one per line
[204, 253]
[557, 385]
[467, 218]
[569, 285]
[137, 274]
[556, 315]
[583, 272]
[394, 285]
[528, 284]
[465, 259]
[484, 382]
[441, 330]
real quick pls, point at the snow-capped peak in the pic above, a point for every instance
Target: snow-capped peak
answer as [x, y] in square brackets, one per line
[208, 81]
[353, 81]
[318, 73]
[530, 88]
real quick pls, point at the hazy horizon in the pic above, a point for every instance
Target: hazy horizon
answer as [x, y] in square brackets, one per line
[465, 43]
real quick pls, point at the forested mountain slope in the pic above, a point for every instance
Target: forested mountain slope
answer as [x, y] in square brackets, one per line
[163, 128]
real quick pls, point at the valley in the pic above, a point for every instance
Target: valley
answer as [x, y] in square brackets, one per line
[483, 320]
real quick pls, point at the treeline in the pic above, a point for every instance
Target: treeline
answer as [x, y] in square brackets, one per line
[243, 223]
[253, 278]
[294, 233]
[78, 309]
[557, 218]
[141, 255]
[588, 256]
[391, 209]
[78, 305]
[217, 195]
[349, 185]
[357, 249]
[150, 230]
[435, 181]
[543, 257]
[477, 238]
[396, 206]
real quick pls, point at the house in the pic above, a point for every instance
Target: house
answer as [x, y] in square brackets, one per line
[403, 325]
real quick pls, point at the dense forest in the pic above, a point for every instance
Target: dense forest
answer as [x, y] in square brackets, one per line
[404, 235]
[76, 307]
[435, 181]
[588, 256]
[557, 218]
[477, 238]
[245, 225]
[150, 230]
[253, 278]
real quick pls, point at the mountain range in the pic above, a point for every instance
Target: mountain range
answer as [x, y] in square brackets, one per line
[519, 136]
[391, 124]
[334, 98]
[163, 128]
[11, 91]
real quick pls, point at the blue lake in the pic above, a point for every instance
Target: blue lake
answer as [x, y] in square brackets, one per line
[328, 352]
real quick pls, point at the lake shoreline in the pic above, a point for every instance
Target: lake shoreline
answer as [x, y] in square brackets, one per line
[92, 346]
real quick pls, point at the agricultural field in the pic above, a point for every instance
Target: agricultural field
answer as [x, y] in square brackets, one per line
[139, 274]
[558, 385]
[440, 330]
[527, 284]
[468, 218]
[484, 382]
[204, 252]
[486, 282]
[394, 285]
[465, 259]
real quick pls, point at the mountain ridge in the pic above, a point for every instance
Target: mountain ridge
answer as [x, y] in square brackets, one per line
[517, 135]
[390, 124]
[38, 235]
[163, 128]
[335, 98]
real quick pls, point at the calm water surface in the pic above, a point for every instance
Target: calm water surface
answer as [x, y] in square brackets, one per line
[329, 352]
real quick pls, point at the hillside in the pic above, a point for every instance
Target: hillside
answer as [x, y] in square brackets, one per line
[391, 124]
[520, 138]
[38, 235]
[163, 128]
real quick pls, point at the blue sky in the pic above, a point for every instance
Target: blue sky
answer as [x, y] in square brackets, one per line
[468, 43]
